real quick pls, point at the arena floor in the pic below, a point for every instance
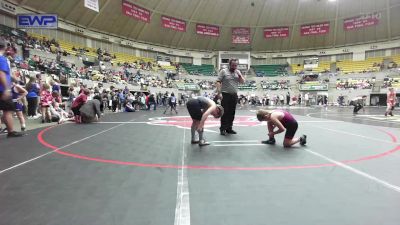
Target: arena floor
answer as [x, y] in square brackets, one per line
[140, 168]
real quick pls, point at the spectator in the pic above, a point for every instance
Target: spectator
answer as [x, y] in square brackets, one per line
[306, 99]
[129, 107]
[46, 99]
[55, 86]
[172, 102]
[287, 98]
[6, 103]
[58, 113]
[33, 89]
[121, 102]
[151, 101]
[114, 101]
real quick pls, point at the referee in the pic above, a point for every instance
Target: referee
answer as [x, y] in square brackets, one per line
[227, 88]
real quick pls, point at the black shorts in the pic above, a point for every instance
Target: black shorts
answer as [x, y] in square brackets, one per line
[76, 111]
[7, 105]
[194, 108]
[291, 129]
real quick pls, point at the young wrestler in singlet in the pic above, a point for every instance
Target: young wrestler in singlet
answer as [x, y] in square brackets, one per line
[199, 109]
[284, 121]
[18, 93]
[391, 102]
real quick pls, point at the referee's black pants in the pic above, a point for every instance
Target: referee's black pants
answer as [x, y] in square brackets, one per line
[229, 102]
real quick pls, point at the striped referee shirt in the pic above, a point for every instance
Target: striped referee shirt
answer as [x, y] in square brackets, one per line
[229, 81]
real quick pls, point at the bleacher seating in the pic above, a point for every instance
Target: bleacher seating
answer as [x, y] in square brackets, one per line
[297, 68]
[396, 59]
[367, 65]
[120, 57]
[207, 70]
[322, 67]
[269, 70]
[168, 68]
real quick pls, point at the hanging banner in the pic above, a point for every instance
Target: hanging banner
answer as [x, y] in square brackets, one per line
[173, 23]
[134, 11]
[241, 35]
[208, 30]
[314, 29]
[276, 32]
[92, 4]
[371, 19]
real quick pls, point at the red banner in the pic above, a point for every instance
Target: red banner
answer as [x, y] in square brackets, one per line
[276, 32]
[357, 22]
[173, 23]
[241, 35]
[137, 12]
[208, 30]
[314, 29]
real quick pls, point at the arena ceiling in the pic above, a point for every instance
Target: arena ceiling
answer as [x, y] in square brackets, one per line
[256, 14]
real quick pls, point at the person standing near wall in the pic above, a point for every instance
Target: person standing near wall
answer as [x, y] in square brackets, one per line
[391, 101]
[288, 98]
[227, 88]
[306, 99]
[6, 102]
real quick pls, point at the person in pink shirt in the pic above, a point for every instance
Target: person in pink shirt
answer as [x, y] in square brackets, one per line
[78, 103]
[45, 101]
